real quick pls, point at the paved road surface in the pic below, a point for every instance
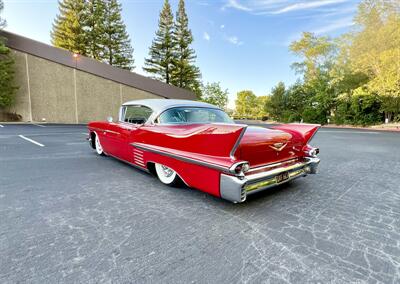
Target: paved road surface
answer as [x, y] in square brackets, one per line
[67, 215]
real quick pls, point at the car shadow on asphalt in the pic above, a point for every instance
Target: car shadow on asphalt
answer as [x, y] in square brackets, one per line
[254, 200]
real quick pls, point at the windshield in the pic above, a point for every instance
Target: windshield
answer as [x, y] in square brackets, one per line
[186, 115]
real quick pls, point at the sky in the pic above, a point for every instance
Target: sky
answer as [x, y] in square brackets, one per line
[243, 44]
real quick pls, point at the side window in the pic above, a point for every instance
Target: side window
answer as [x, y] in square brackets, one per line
[187, 115]
[137, 114]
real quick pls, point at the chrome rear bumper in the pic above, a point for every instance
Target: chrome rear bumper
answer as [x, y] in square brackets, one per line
[236, 189]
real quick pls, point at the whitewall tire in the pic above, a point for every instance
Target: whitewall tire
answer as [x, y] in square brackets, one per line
[97, 144]
[166, 175]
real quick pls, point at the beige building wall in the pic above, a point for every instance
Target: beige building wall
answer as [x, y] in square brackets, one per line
[51, 91]
[22, 103]
[55, 93]
[105, 94]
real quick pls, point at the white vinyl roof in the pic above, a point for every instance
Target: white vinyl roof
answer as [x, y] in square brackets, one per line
[159, 105]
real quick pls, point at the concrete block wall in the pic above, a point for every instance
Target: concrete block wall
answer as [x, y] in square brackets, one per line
[52, 92]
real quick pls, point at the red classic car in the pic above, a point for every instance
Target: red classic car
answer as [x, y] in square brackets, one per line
[200, 145]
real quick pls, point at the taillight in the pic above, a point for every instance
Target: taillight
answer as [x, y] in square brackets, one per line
[313, 152]
[240, 168]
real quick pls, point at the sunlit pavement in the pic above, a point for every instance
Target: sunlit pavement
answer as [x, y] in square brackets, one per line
[68, 215]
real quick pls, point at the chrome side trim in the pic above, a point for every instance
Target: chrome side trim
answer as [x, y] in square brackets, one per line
[112, 132]
[181, 158]
[232, 153]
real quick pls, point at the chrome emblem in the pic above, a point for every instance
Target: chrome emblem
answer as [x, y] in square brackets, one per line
[278, 146]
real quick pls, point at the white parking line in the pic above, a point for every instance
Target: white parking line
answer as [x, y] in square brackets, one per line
[38, 125]
[53, 133]
[1, 125]
[30, 140]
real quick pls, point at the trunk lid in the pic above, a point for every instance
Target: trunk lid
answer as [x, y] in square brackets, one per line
[260, 146]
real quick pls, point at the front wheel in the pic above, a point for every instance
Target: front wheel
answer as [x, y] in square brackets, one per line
[97, 144]
[167, 175]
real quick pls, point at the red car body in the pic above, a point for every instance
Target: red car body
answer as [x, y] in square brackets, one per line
[227, 160]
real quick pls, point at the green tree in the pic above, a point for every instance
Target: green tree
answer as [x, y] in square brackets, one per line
[276, 105]
[94, 28]
[161, 54]
[246, 104]
[213, 93]
[68, 31]
[184, 73]
[117, 45]
[317, 53]
[375, 50]
[7, 87]
[298, 99]
[261, 107]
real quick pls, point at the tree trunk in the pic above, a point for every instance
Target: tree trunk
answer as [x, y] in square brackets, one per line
[388, 116]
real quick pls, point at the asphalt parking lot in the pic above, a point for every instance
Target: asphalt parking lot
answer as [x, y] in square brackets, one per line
[68, 215]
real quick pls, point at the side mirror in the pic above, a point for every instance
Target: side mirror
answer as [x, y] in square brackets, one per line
[110, 119]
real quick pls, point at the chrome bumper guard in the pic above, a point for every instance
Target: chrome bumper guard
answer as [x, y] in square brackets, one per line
[236, 189]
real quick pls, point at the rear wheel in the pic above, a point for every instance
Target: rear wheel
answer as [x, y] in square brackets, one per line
[167, 175]
[97, 144]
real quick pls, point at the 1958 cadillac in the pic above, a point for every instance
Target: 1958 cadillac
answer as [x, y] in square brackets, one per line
[200, 145]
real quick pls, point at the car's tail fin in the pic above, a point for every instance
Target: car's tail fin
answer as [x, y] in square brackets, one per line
[305, 132]
[214, 139]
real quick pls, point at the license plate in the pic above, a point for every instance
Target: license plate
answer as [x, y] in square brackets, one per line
[282, 177]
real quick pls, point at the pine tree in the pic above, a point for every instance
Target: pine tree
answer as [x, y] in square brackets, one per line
[184, 74]
[161, 53]
[7, 87]
[117, 45]
[94, 28]
[68, 31]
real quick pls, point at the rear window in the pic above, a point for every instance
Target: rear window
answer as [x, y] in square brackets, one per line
[187, 115]
[137, 114]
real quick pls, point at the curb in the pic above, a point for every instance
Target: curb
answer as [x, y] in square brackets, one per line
[363, 128]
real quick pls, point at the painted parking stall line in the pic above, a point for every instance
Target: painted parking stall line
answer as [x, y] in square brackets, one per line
[38, 125]
[1, 126]
[30, 140]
